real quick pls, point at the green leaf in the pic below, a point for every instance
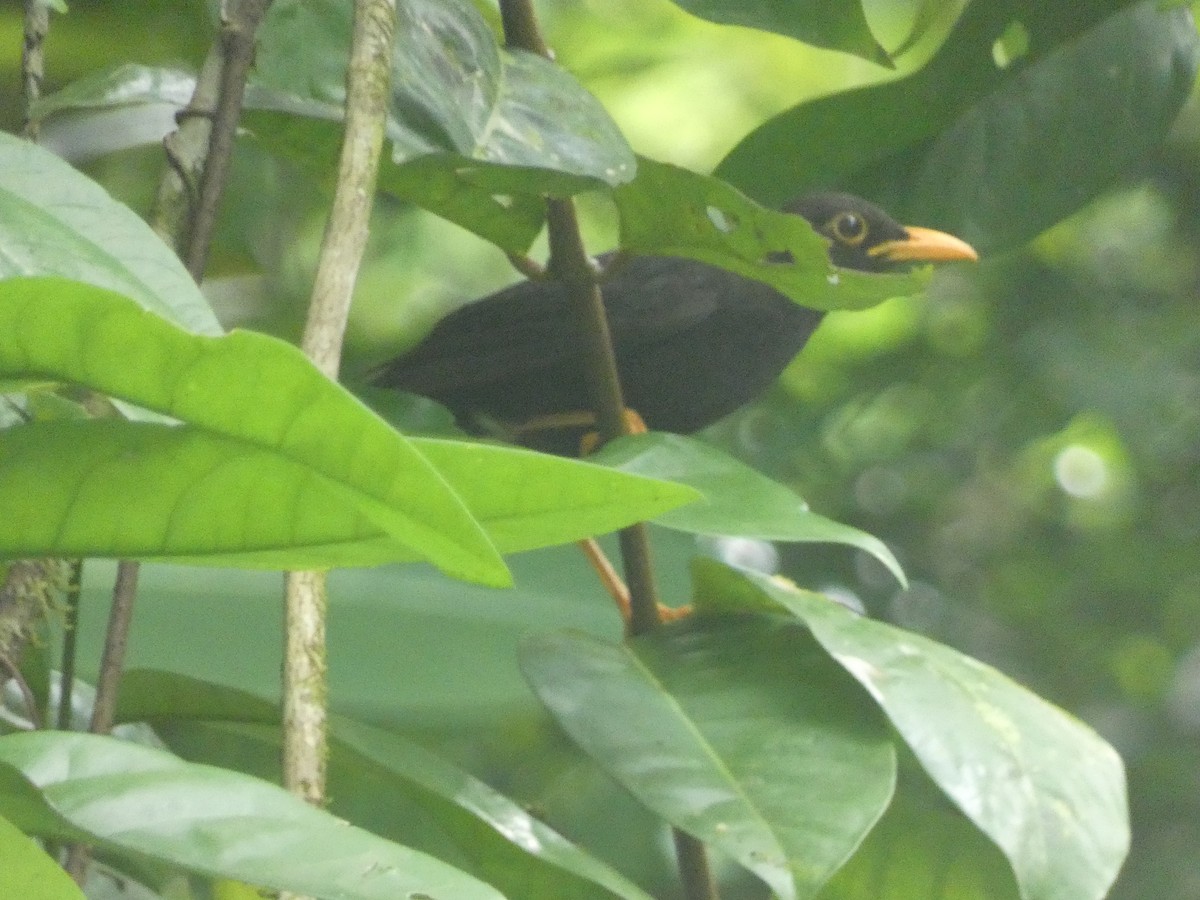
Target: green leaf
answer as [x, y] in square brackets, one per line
[219, 823]
[924, 848]
[185, 495]
[372, 769]
[28, 872]
[836, 24]
[527, 500]
[1041, 784]
[735, 499]
[670, 211]
[736, 730]
[479, 133]
[245, 387]
[57, 221]
[993, 154]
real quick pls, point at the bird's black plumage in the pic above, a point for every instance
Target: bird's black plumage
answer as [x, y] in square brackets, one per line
[693, 342]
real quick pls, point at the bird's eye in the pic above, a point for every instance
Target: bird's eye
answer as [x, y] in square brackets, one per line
[849, 228]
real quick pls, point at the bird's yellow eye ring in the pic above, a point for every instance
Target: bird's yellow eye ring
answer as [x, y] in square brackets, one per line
[848, 228]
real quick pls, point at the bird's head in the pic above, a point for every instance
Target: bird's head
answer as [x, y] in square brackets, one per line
[862, 236]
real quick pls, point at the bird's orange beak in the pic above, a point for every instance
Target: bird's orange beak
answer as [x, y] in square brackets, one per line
[925, 245]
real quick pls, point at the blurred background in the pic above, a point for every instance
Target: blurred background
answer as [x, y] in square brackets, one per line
[1026, 437]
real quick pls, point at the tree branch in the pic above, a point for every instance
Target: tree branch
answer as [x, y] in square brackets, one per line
[368, 80]
[570, 263]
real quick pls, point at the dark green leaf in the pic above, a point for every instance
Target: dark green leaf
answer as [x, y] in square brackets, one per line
[670, 211]
[479, 133]
[993, 154]
[836, 24]
[57, 221]
[924, 848]
[735, 499]
[219, 823]
[736, 730]
[1041, 784]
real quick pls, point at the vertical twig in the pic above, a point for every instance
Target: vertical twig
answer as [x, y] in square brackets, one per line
[66, 678]
[368, 81]
[570, 263]
[116, 639]
[236, 40]
[33, 62]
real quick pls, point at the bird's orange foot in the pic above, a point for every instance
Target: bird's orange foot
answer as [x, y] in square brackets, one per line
[633, 424]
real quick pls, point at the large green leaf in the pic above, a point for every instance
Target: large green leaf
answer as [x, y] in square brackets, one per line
[737, 730]
[470, 121]
[670, 211]
[216, 822]
[185, 495]
[274, 464]
[735, 499]
[837, 24]
[251, 388]
[992, 153]
[57, 221]
[28, 872]
[444, 811]
[1042, 785]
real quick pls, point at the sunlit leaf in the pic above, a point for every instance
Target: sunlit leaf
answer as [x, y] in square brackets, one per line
[838, 25]
[57, 221]
[28, 872]
[246, 387]
[737, 730]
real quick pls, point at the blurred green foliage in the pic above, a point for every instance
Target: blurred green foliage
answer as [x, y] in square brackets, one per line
[1026, 438]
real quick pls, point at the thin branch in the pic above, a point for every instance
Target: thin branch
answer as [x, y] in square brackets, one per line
[570, 263]
[237, 50]
[368, 81]
[33, 61]
[116, 639]
[66, 678]
[31, 705]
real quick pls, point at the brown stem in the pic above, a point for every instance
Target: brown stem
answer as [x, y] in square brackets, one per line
[570, 263]
[116, 639]
[237, 50]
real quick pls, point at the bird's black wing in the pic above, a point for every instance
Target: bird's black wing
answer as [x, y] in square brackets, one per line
[529, 329]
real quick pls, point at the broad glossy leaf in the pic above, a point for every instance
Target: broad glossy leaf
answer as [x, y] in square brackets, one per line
[670, 211]
[838, 25]
[464, 819]
[993, 154]
[55, 220]
[220, 823]
[28, 873]
[249, 388]
[181, 494]
[736, 730]
[527, 500]
[735, 499]
[478, 132]
[1041, 784]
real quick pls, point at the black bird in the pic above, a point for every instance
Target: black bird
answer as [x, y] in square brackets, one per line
[693, 341]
